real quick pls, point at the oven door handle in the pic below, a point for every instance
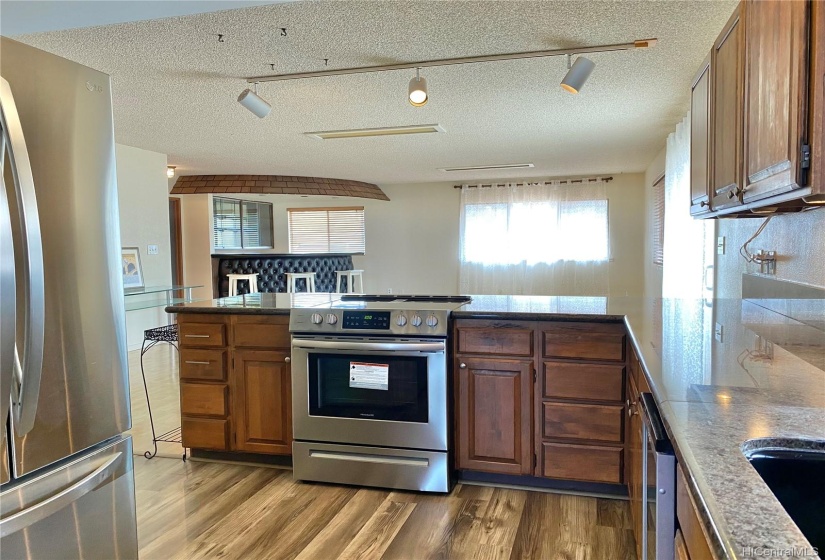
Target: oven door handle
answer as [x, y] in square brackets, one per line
[379, 346]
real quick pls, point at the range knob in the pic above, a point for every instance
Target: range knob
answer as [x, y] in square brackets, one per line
[332, 318]
[432, 321]
[316, 319]
[401, 320]
[416, 320]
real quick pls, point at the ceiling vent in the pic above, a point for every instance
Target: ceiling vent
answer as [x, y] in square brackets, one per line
[489, 167]
[367, 132]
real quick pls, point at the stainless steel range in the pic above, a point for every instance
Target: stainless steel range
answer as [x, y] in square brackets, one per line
[369, 391]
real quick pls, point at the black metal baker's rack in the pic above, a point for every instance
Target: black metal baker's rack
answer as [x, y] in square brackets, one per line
[151, 337]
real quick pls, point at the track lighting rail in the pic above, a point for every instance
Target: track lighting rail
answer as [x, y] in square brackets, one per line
[640, 44]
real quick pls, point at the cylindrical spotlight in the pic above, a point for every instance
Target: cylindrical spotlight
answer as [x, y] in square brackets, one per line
[578, 74]
[252, 101]
[418, 91]
[170, 171]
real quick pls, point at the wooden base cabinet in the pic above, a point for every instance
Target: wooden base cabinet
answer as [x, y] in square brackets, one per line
[540, 398]
[262, 392]
[235, 389]
[495, 414]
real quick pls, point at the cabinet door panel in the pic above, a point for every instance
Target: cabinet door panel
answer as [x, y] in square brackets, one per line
[495, 415]
[775, 96]
[727, 109]
[700, 139]
[262, 397]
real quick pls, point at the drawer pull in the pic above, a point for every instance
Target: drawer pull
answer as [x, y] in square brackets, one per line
[197, 336]
[193, 362]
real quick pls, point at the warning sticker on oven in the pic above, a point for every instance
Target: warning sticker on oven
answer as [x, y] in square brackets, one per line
[369, 376]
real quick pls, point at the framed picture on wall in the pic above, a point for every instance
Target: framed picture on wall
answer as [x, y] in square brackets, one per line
[132, 271]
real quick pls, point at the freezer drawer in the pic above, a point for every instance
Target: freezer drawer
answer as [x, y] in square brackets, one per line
[84, 509]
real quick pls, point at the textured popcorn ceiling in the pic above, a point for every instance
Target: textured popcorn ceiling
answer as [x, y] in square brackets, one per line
[175, 86]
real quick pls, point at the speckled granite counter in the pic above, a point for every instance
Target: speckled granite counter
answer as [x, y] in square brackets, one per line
[763, 383]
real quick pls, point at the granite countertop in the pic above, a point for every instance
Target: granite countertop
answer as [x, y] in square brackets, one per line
[762, 385]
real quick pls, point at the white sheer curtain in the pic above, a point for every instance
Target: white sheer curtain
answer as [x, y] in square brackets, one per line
[535, 239]
[686, 239]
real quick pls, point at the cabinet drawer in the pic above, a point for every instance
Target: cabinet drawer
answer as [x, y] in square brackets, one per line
[205, 433]
[585, 341]
[207, 365]
[270, 332]
[583, 421]
[202, 334]
[564, 380]
[582, 462]
[201, 399]
[503, 341]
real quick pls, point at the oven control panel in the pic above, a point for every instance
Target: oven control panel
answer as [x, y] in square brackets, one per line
[366, 321]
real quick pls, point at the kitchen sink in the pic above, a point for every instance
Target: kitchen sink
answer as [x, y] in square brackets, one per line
[797, 479]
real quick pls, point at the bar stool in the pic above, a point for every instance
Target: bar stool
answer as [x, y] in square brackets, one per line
[350, 275]
[233, 282]
[292, 284]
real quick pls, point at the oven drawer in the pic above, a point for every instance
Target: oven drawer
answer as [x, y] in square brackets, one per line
[587, 463]
[596, 382]
[203, 365]
[405, 469]
[583, 421]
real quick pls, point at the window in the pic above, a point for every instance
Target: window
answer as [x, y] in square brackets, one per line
[241, 224]
[658, 232]
[326, 230]
[541, 232]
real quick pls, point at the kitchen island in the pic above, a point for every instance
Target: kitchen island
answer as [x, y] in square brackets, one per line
[761, 385]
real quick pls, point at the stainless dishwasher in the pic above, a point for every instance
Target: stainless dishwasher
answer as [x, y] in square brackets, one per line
[659, 485]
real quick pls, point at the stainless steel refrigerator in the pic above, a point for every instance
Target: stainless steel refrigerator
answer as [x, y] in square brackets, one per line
[66, 478]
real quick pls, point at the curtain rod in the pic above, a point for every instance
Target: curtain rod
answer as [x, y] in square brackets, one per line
[528, 184]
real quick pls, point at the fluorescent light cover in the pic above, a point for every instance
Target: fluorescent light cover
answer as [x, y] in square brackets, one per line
[485, 167]
[366, 132]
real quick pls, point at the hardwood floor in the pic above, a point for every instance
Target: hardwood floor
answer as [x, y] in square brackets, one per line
[161, 366]
[211, 510]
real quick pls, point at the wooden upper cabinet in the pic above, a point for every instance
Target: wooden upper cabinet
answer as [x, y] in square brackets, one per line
[262, 397]
[700, 127]
[776, 97]
[727, 84]
[494, 415]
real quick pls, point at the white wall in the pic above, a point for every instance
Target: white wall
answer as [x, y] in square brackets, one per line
[142, 190]
[412, 240]
[652, 272]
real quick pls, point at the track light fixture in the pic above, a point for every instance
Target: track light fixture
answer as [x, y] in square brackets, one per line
[418, 90]
[254, 103]
[170, 171]
[577, 74]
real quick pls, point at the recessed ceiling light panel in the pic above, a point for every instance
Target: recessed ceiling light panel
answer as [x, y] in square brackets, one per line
[489, 167]
[368, 132]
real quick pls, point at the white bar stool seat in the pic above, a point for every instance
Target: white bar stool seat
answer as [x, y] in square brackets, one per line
[233, 282]
[292, 284]
[350, 275]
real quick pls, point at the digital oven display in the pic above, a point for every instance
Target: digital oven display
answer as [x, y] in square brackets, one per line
[373, 320]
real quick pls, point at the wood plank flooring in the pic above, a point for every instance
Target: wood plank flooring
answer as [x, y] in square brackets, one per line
[211, 510]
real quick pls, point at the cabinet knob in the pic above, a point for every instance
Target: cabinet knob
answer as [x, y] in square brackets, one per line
[631, 408]
[703, 203]
[287, 359]
[731, 195]
[462, 365]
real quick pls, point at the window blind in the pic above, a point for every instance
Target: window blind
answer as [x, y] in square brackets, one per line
[326, 230]
[658, 221]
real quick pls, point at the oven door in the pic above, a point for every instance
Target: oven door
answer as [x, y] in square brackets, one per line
[370, 391]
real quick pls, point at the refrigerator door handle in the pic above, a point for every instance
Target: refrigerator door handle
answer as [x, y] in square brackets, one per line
[8, 309]
[49, 506]
[28, 371]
